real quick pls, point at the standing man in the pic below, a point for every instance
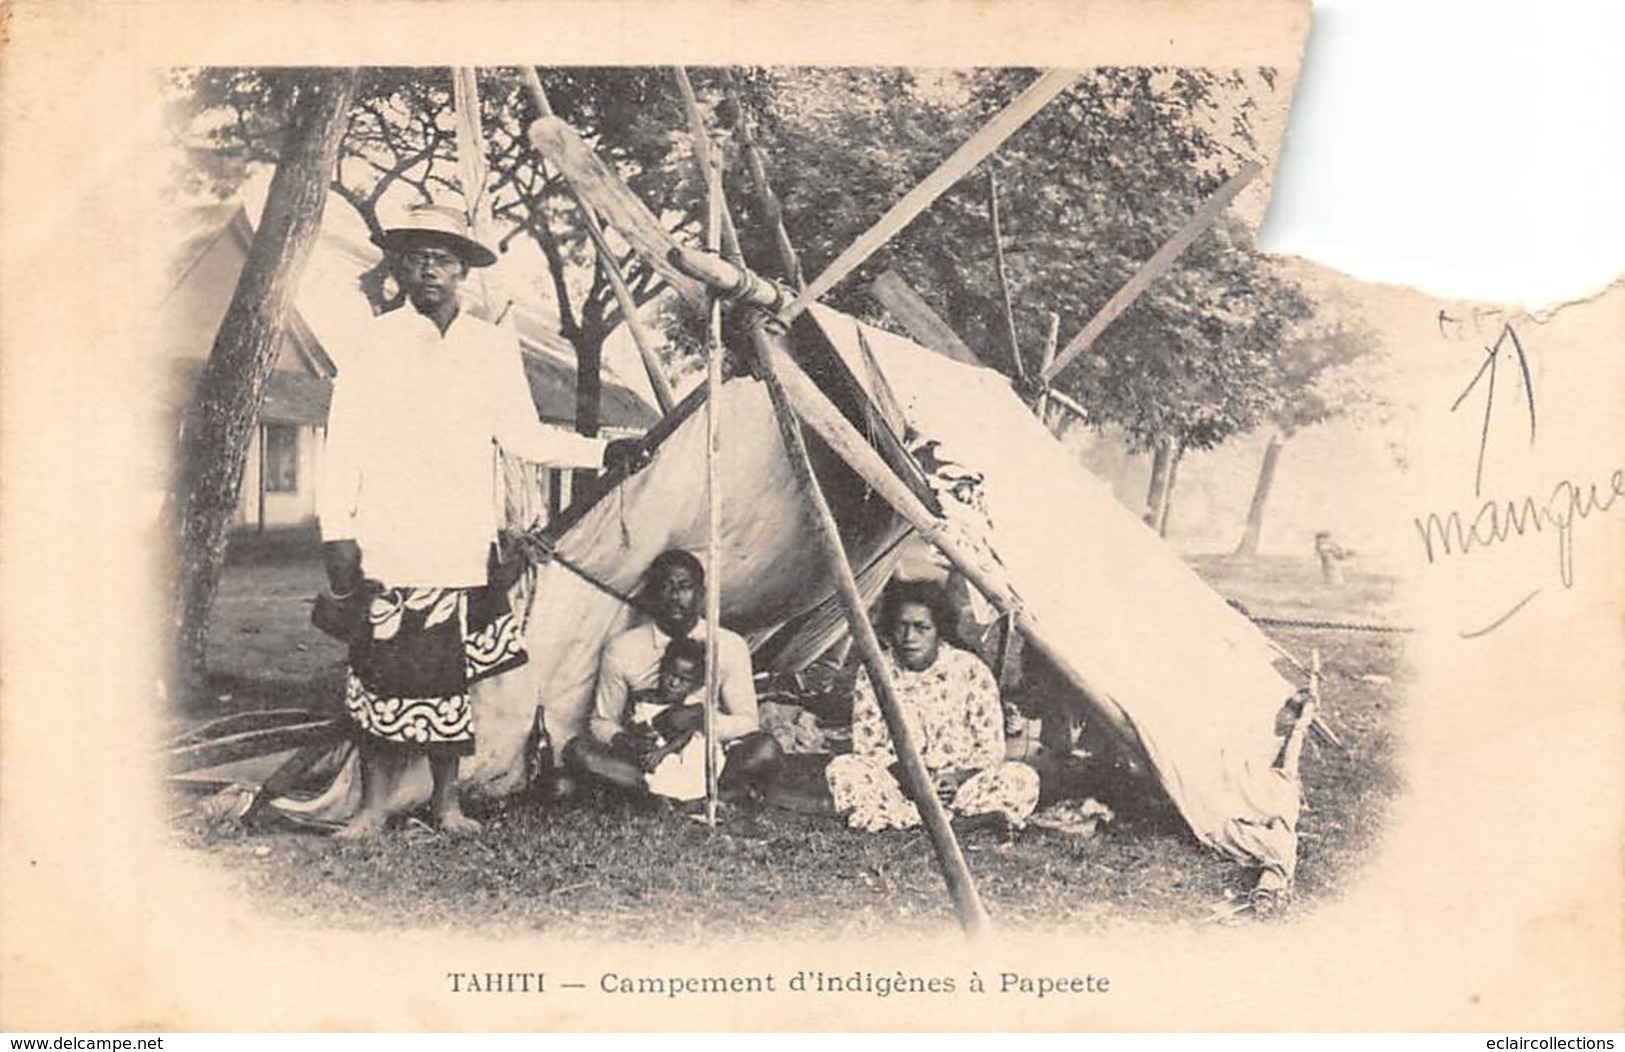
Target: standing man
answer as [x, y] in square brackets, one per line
[409, 513]
[673, 588]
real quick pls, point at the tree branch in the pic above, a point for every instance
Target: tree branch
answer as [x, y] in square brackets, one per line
[538, 226]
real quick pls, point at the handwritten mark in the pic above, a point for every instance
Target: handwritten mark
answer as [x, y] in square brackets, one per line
[1503, 619]
[1458, 328]
[1498, 521]
[1492, 358]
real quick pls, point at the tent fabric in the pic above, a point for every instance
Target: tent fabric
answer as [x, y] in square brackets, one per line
[1195, 679]
[773, 573]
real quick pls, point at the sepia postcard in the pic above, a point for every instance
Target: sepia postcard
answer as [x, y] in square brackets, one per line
[633, 516]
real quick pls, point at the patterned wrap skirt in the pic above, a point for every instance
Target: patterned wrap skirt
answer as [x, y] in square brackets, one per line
[409, 674]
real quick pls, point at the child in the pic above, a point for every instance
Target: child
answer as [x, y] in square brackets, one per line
[673, 762]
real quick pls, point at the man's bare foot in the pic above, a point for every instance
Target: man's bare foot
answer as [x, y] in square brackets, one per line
[366, 825]
[452, 820]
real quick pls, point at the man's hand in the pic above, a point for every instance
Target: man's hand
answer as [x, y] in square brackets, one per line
[671, 748]
[342, 612]
[515, 552]
[652, 758]
[625, 455]
[679, 720]
[632, 745]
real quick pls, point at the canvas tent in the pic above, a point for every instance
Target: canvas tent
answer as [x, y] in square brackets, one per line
[808, 527]
[1193, 678]
[1166, 660]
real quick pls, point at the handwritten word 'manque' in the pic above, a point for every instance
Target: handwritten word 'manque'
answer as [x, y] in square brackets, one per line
[1497, 521]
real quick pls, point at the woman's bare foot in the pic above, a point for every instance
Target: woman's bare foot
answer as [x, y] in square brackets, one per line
[366, 825]
[452, 820]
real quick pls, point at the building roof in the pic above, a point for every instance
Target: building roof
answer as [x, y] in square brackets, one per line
[290, 398]
[553, 389]
[205, 227]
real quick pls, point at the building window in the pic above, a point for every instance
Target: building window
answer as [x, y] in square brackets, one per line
[281, 461]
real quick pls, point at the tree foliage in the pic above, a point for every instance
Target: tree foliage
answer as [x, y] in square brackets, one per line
[1321, 371]
[1089, 189]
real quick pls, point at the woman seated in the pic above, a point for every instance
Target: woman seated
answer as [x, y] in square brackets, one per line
[950, 704]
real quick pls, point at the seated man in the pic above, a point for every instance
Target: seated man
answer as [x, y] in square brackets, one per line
[610, 752]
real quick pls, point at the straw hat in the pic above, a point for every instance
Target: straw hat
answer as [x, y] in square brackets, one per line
[439, 226]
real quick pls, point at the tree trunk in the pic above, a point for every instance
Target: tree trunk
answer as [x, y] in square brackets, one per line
[1176, 454]
[1162, 455]
[225, 410]
[1254, 531]
[589, 383]
[1016, 363]
[589, 345]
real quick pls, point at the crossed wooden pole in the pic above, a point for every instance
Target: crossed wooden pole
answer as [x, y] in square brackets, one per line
[967, 902]
[797, 400]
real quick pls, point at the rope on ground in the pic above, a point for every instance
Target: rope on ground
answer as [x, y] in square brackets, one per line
[1329, 626]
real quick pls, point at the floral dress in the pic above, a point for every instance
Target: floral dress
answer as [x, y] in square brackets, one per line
[953, 713]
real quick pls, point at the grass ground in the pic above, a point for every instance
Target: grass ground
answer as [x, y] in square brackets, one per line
[572, 868]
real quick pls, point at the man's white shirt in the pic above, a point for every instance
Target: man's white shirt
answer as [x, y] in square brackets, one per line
[409, 473]
[631, 662]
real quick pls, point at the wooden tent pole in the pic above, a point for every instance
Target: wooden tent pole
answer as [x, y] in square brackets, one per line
[959, 164]
[1004, 276]
[704, 165]
[718, 230]
[928, 329]
[915, 315]
[538, 94]
[719, 235]
[968, 906]
[713, 549]
[473, 172]
[1051, 340]
[819, 413]
[766, 199]
[664, 397]
[1152, 269]
[1070, 404]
